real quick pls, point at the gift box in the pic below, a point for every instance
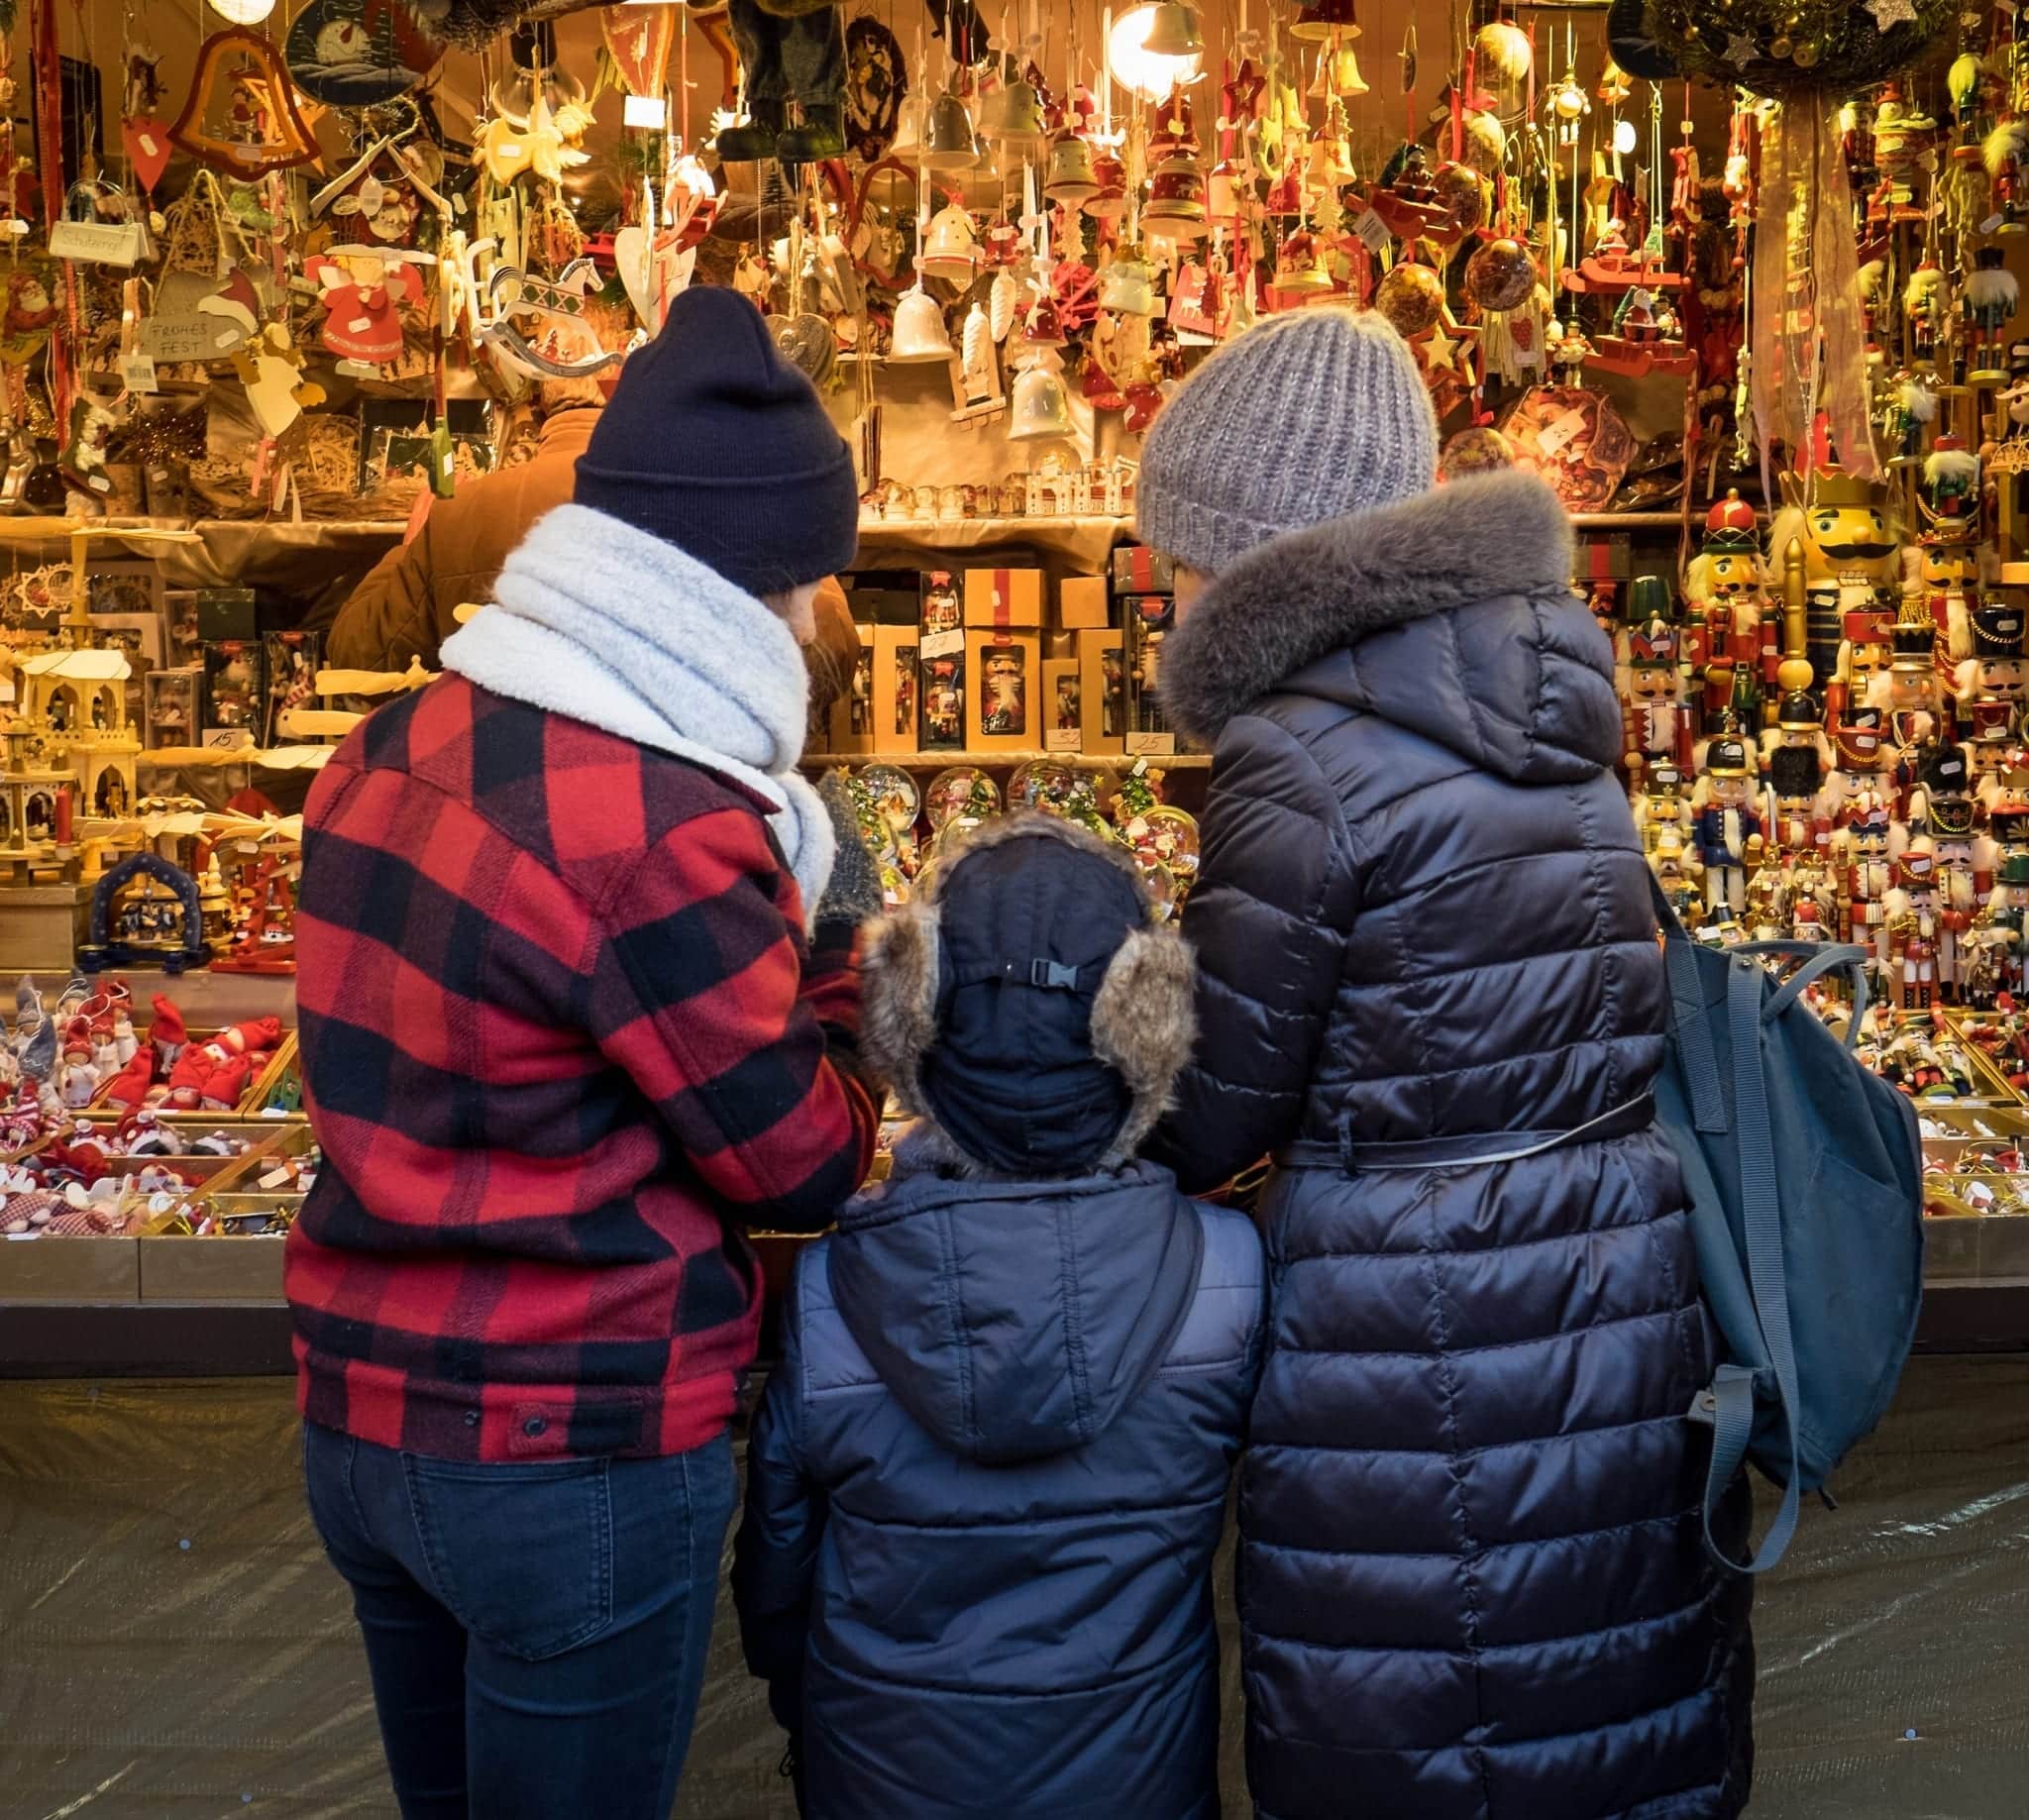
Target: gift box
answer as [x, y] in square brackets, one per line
[169, 701]
[895, 688]
[1003, 692]
[940, 691]
[851, 727]
[1138, 570]
[1610, 558]
[1101, 694]
[1084, 604]
[1002, 599]
[1063, 727]
[1150, 618]
[233, 693]
[227, 614]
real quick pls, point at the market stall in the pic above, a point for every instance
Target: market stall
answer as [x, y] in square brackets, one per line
[1738, 278]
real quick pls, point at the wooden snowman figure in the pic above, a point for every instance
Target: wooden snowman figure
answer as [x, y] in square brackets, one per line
[1910, 920]
[1949, 812]
[1729, 832]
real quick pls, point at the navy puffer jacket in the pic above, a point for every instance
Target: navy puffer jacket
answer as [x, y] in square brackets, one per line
[983, 1492]
[1472, 1585]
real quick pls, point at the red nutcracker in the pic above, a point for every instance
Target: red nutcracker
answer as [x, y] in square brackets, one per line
[1863, 652]
[1908, 692]
[1988, 687]
[1733, 621]
[1655, 712]
[1864, 850]
[1910, 924]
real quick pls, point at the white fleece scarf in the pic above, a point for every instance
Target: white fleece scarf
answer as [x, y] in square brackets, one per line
[599, 621]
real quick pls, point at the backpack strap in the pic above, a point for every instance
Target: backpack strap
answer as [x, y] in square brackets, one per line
[1733, 1413]
[1818, 958]
[1693, 1039]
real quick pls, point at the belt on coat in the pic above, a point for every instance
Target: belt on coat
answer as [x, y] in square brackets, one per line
[1474, 1148]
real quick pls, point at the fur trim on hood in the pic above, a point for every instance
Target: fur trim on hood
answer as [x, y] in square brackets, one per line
[1296, 597]
[1142, 1021]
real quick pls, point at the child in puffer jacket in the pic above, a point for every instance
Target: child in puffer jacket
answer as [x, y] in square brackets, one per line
[987, 1479]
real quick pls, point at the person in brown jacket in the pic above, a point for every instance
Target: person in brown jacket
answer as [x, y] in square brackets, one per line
[403, 608]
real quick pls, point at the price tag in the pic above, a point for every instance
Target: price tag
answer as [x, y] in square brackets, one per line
[942, 644]
[1372, 230]
[1552, 436]
[137, 372]
[276, 1178]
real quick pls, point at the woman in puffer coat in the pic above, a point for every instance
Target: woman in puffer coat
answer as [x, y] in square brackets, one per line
[1472, 1580]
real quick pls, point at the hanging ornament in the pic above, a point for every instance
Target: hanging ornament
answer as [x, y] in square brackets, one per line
[1502, 53]
[359, 52]
[1500, 275]
[1411, 298]
[362, 301]
[240, 115]
[639, 40]
[876, 86]
[1830, 45]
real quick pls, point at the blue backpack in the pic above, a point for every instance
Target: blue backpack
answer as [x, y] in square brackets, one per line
[1804, 1175]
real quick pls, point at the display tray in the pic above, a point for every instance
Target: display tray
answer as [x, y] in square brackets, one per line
[219, 1269]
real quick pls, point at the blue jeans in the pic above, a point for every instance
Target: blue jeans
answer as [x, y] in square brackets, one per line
[536, 1633]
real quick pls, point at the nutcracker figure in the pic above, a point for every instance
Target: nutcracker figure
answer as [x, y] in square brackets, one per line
[1923, 309]
[1951, 491]
[1769, 904]
[1991, 297]
[1837, 526]
[1909, 920]
[2004, 798]
[1661, 803]
[2002, 930]
[1813, 904]
[1988, 686]
[1907, 691]
[2002, 150]
[1801, 791]
[1729, 832]
[1604, 600]
[1965, 855]
[1675, 865]
[1950, 591]
[1733, 621]
[1854, 723]
[1911, 405]
[1863, 849]
[1655, 716]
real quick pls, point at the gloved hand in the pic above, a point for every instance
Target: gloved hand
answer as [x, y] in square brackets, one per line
[853, 894]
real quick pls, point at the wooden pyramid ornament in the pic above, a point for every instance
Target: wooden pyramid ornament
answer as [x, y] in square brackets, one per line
[240, 116]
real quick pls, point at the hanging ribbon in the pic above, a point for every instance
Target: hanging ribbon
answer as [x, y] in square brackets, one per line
[1809, 349]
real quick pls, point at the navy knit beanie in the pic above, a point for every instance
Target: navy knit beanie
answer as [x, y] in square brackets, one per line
[715, 443]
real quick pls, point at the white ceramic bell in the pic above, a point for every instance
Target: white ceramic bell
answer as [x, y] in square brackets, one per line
[1070, 177]
[920, 335]
[1012, 115]
[1040, 406]
[1127, 288]
[948, 139]
[951, 248]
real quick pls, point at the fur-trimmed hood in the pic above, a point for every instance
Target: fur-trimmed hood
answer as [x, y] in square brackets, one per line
[1450, 615]
[1034, 1020]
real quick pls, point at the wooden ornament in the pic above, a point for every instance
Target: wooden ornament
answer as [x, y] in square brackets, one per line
[241, 114]
[146, 141]
[359, 52]
[639, 38]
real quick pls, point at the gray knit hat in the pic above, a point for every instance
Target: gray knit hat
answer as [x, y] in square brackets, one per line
[1308, 416]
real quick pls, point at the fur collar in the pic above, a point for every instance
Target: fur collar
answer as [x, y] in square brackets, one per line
[1296, 597]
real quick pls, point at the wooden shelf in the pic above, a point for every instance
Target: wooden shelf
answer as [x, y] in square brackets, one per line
[985, 761]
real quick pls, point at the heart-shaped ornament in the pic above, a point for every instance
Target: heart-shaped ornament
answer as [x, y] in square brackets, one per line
[147, 147]
[630, 255]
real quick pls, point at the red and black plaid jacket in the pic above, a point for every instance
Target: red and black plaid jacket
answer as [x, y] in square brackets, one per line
[561, 1038]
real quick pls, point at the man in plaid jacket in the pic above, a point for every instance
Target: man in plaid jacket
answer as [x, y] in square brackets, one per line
[575, 1009]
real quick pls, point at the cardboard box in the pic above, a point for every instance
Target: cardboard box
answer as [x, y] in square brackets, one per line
[1003, 692]
[895, 688]
[851, 727]
[1102, 694]
[182, 1269]
[1084, 604]
[942, 610]
[1063, 728]
[1004, 599]
[69, 1270]
[1138, 570]
[235, 693]
[225, 613]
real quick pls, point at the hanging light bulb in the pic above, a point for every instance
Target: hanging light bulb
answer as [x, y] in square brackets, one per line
[242, 12]
[1156, 48]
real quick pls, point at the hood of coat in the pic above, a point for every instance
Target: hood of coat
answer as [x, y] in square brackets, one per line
[1450, 615]
[1015, 1320]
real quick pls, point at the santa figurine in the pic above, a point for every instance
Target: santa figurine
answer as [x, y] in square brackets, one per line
[1655, 712]
[1729, 832]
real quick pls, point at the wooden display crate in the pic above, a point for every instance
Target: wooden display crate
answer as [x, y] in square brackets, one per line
[220, 1269]
[69, 1270]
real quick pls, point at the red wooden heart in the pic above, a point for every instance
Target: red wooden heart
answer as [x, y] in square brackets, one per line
[147, 148]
